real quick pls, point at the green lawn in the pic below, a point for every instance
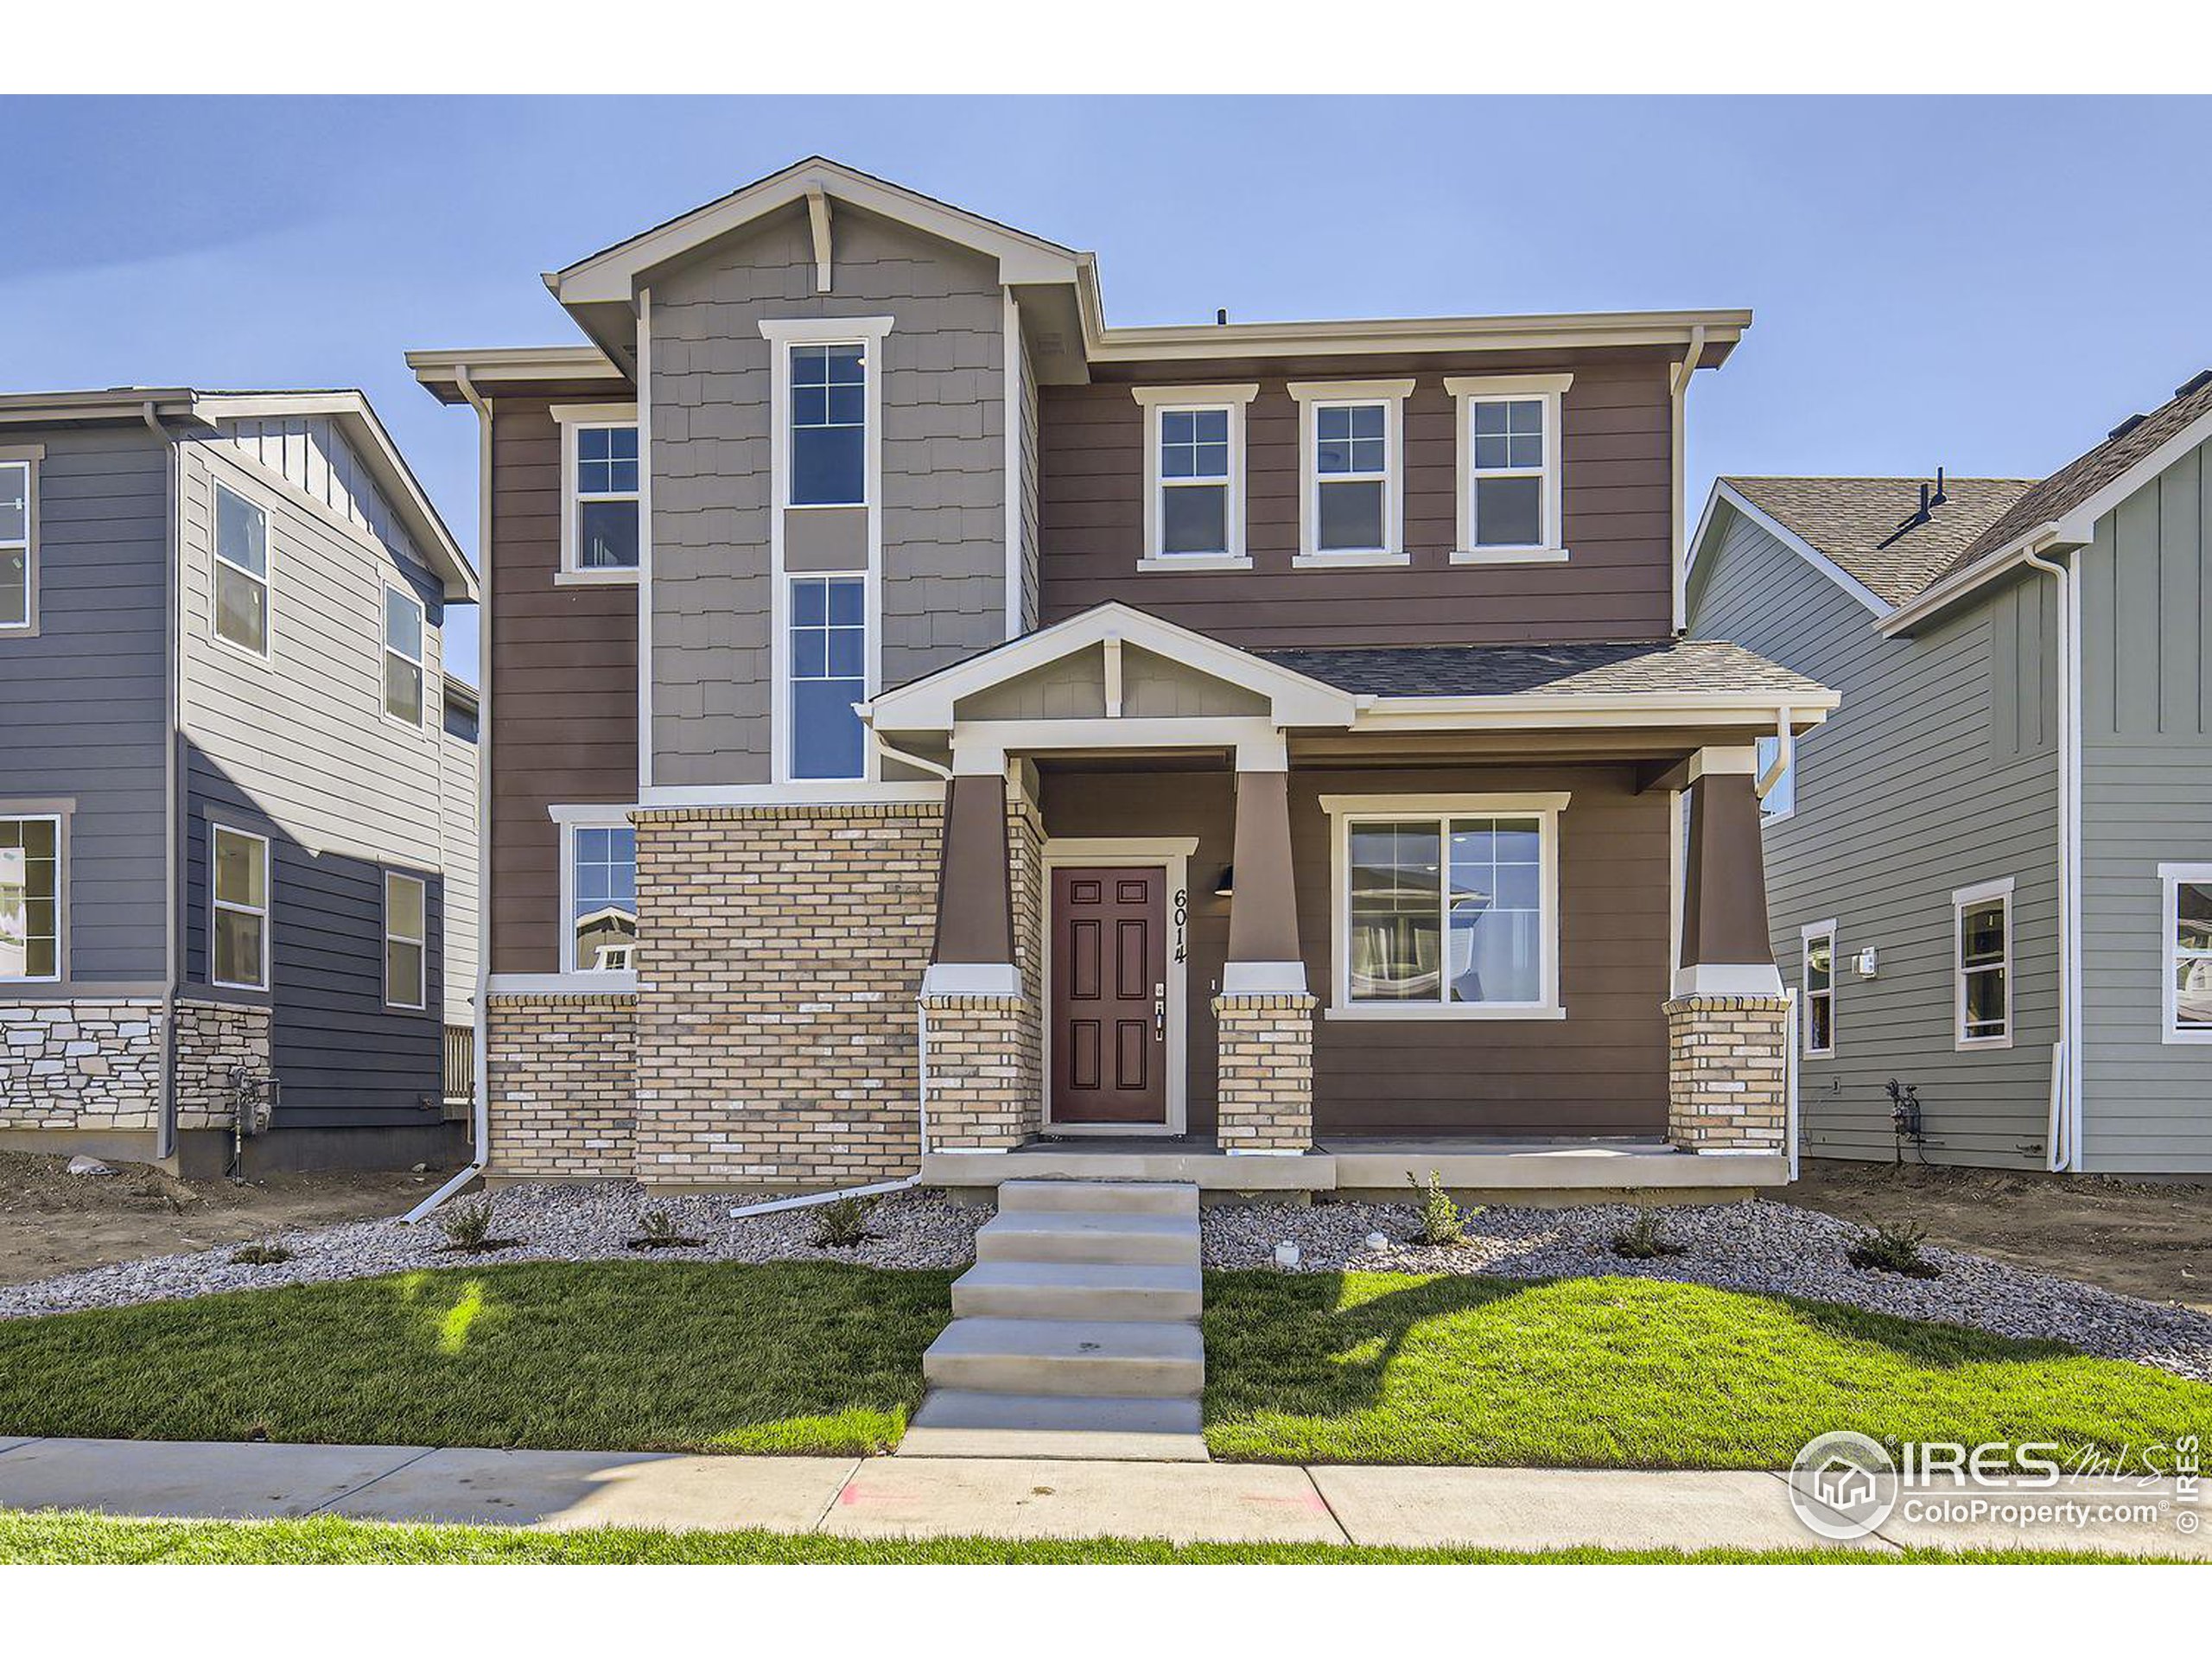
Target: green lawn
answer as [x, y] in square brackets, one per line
[64, 1539]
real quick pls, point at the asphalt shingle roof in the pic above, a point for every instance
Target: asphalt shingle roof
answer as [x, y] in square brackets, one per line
[1595, 671]
[1849, 518]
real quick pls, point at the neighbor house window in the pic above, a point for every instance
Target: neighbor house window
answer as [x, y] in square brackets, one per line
[603, 523]
[1194, 475]
[2188, 952]
[30, 897]
[1447, 906]
[828, 676]
[16, 515]
[1509, 467]
[828, 432]
[403, 656]
[1781, 800]
[241, 571]
[1819, 1010]
[1982, 933]
[239, 928]
[406, 934]
[602, 899]
[1348, 433]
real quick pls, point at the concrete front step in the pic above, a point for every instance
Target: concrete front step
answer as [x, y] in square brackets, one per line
[1069, 1356]
[955, 1423]
[1077, 1290]
[1077, 1236]
[1115, 1197]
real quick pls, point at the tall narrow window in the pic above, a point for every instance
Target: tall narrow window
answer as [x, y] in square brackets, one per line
[239, 925]
[31, 897]
[406, 934]
[1982, 930]
[829, 675]
[241, 571]
[1194, 480]
[14, 544]
[403, 656]
[1353, 510]
[2188, 952]
[1819, 1011]
[1780, 801]
[829, 452]
[603, 899]
[603, 528]
[1509, 467]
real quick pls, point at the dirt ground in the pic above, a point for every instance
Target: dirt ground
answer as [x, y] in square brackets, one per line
[53, 1222]
[2144, 1239]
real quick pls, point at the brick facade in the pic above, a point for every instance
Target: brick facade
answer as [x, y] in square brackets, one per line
[1266, 1100]
[80, 1064]
[211, 1039]
[985, 1059]
[1727, 1075]
[562, 1094]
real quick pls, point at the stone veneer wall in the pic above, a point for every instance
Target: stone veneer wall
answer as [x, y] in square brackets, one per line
[562, 1078]
[1727, 1073]
[211, 1039]
[781, 949]
[80, 1064]
[1266, 1100]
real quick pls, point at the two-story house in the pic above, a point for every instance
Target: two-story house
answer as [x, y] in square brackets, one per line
[931, 729]
[236, 795]
[1992, 874]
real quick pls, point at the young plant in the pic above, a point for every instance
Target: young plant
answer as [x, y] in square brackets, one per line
[1894, 1248]
[468, 1227]
[657, 1231]
[259, 1256]
[841, 1224]
[1643, 1241]
[1442, 1222]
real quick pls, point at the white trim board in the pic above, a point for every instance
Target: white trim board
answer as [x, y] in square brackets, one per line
[1722, 492]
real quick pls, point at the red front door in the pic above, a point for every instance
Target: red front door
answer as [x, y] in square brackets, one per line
[1109, 997]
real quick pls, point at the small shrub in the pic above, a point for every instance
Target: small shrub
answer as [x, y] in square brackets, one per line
[259, 1256]
[1643, 1241]
[1442, 1222]
[468, 1227]
[841, 1223]
[657, 1231]
[1894, 1250]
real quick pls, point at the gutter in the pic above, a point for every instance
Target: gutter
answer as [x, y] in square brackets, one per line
[2064, 1142]
[172, 725]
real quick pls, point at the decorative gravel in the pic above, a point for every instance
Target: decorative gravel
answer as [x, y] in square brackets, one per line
[1759, 1246]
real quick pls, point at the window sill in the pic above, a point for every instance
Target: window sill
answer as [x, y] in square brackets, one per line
[570, 983]
[1819, 1054]
[1157, 561]
[2181, 1038]
[1510, 555]
[1974, 1045]
[1416, 1011]
[1363, 559]
[596, 578]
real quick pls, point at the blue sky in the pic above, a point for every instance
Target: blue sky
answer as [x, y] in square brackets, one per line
[1982, 283]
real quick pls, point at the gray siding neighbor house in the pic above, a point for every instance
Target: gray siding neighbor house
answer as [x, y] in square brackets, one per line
[238, 805]
[1990, 874]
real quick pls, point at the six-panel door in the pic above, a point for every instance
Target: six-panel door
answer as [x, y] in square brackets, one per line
[1109, 997]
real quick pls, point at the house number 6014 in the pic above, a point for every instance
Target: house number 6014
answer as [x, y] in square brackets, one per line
[1182, 916]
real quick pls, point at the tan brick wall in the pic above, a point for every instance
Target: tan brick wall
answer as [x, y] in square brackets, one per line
[781, 950]
[211, 1039]
[80, 1065]
[984, 1059]
[562, 1074]
[1727, 1074]
[1266, 1100]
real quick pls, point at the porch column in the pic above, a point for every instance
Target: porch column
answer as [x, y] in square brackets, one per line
[1264, 1015]
[1727, 1057]
[980, 1033]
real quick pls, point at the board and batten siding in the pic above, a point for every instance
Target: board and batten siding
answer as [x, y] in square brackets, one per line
[1616, 510]
[943, 464]
[1938, 771]
[298, 748]
[2146, 799]
[86, 707]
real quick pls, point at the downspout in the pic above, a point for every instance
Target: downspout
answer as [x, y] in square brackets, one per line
[173, 611]
[480, 1060]
[2064, 1145]
[1678, 388]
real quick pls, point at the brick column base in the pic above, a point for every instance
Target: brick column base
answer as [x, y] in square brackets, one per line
[985, 1072]
[563, 1074]
[211, 1039]
[1727, 1073]
[1266, 1099]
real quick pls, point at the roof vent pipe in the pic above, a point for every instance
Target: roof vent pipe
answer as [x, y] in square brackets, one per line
[1221, 317]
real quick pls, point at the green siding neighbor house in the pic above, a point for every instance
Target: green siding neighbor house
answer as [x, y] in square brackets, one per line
[1990, 875]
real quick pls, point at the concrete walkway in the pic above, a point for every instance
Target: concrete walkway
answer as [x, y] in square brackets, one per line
[1015, 1497]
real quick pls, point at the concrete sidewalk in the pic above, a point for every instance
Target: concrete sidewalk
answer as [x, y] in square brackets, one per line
[888, 1497]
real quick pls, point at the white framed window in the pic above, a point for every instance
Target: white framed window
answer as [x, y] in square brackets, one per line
[828, 664]
[1445, 906]
[2188, 952]
[1817, 1025]
[1194, 477]
[31, 857]
[602, 515]
[598, 892]
[241, 596]
[1509, 468]
[828, 423]
[403, 656]
[406, 940]
[1352, 481]
[237, 909]
[1780, 801]
[1982, 933]
[19, 540]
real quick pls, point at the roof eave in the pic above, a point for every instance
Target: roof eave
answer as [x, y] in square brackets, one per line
[2052, 537]
[1592, 330]
[1540, 710]
[489, 367]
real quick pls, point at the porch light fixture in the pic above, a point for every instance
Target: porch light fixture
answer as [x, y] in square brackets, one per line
[1226, 888]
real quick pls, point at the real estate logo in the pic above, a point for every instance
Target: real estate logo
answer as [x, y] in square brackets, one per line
[1843, 1485]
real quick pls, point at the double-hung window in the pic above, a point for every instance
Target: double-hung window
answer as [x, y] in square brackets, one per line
[241, 572]
[2188, 952]
[406, 937]
[1194, 476]
[18, 516]
[238, 947]
[1509, 467]
[828, 674]
[600, 535]
[403, 656]
[829, 429]
[1446, 906]
[30, 897]
[602, 895]
[1818, 1012]
[1981, 928]
[1352, 510]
